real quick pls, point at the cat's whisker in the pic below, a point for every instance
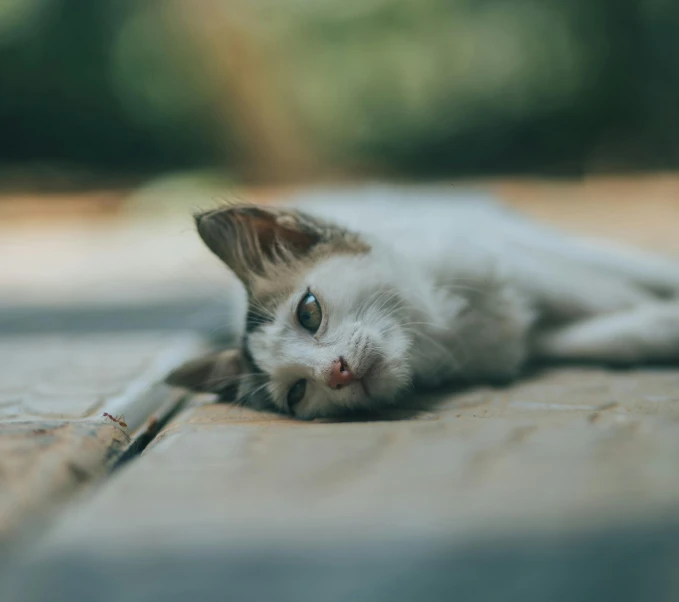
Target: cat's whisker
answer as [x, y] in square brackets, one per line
[262, 309]
[217, 380]
[386, 301]
[378, 297]
[256, 390]
[234, 325]
[432, 324]
[444, 351]
[454, 287]
[366, 306]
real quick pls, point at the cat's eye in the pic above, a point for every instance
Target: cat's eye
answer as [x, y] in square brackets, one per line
[296, 393]
[309, 313]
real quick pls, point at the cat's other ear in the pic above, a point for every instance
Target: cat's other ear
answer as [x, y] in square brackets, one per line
[247, 237]
[213, 373]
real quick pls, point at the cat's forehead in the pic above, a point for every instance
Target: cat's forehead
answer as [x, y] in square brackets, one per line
[340, 280]
[357, 271]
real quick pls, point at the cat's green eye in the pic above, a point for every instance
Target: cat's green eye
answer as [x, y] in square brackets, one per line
[296, 393]
[309, 313]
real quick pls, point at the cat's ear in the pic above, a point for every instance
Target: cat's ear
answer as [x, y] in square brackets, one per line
[213, 373]
[247, 237]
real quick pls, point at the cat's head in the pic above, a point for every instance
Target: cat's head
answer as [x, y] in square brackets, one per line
[324, 330]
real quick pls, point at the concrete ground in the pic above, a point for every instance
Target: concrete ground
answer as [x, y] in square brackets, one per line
[563, 486]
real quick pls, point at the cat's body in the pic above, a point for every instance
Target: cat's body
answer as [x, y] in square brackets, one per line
[352, 303]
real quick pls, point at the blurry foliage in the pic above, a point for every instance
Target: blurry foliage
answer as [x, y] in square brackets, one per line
[401, 86]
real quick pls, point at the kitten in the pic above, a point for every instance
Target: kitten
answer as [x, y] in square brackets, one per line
[354, 303]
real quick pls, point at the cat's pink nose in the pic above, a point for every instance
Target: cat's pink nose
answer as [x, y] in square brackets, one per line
[340, 375]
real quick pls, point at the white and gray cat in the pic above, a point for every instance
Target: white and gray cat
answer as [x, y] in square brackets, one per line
[356, 300]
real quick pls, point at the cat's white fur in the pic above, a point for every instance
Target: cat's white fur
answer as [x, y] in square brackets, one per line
[457, 288]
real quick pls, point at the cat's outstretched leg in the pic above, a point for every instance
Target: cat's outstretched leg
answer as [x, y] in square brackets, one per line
[646, 334]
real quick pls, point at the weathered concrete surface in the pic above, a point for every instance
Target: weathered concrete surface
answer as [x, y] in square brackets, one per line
[43, 462]
[54, 391]
[563, 487]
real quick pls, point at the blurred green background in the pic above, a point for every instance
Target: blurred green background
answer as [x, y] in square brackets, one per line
[272, 90]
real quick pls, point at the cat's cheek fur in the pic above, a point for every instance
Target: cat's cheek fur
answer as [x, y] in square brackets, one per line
[389, 377]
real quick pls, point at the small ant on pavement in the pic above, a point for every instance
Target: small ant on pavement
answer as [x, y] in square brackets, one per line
[117, 419]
